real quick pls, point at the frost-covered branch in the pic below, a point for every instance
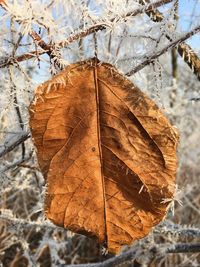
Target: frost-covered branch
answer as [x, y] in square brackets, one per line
[173, 44]
[17, 108]
[14, 222]
[184, 50]
[126, 257]
[164, 228]
[184, 248]
[4, 62]
[176, 229]
[9, 146]
[103, 26]
[150, 253]
[49, 48]
[46, 47]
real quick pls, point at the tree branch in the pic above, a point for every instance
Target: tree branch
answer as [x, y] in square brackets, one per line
[184, 50]
[184, 248]
[12, 60]
[130, 255]
[150, 253]
[17, 108]
[12, 145]
[152, 57]
[101, 26]
[36, 37]
[176, 229]
[15, 222]
[164, 228]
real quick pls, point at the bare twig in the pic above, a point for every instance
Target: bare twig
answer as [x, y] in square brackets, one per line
[174, 52]
[195, 99]
[152, 57]
[184, 248]
[184, 50]
[12, 145]
[16, 164]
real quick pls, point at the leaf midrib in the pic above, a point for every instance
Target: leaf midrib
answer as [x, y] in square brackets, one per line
[96, 87]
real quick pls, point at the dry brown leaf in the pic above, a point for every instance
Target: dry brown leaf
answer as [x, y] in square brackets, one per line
[107, 152]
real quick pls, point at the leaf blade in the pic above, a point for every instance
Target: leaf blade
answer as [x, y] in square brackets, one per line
[107, 152]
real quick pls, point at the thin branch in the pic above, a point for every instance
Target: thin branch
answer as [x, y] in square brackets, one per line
[152, 57]
[12, 60]
[17, 44]
[46, 47]
[176, 229]
[12, 221]
[184, 50]
[12, 145]
[33, 34]
[150, 253]
[184, 248]
[124, 257]
[40, 42]
[17, 109]
[148, 8]
[103, 26]
[195, 99]
[74, 37]
[84, 33]
[164, 228]
[16, 163]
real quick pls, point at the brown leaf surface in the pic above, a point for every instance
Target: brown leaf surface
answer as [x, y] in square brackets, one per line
[107, 152]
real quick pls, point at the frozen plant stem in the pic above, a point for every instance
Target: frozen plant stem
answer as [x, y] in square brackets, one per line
[184, 50]
[130, 256]
[16, 106]
[152, 57]
[14, 144]
[47, 48]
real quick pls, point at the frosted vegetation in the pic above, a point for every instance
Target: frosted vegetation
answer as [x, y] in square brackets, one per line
[128, 38]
